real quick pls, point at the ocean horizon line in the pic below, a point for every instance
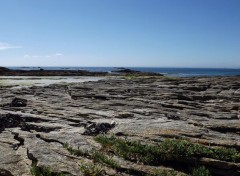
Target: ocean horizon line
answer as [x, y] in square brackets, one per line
[169, 71]
[122, 67]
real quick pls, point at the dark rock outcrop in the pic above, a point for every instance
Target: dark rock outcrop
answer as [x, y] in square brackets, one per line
[130, 72]
[18, 102]
[10, 121]
[94, 129]
[4, 69]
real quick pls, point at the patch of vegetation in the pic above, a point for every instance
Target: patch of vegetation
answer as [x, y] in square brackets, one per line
[130, 77]
[160, 172]
[227, 154]
[101, 158]
[201, 171]
[90, 169]
[96, 156]
[75, 152]
[43, 171]
[186, 149]
[170, 150]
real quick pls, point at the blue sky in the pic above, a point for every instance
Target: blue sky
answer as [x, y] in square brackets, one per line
[151, 33]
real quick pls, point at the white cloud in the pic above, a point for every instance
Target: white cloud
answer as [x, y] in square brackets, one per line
[27, 56]
[58, 54]
[5, 46]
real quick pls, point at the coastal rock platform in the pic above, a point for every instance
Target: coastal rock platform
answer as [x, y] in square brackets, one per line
[58, 121]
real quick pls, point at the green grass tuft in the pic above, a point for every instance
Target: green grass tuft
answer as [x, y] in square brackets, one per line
[89, 169]
[76, 152]
[101, 158]
[160, 172]
[201, 171]
[43, 171]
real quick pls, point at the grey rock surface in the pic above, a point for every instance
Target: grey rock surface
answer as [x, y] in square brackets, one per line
[204, 110]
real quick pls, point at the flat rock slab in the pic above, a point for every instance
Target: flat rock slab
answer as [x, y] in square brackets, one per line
[204, 110]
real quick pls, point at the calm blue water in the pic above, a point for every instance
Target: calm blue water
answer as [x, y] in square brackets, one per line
[180, 72]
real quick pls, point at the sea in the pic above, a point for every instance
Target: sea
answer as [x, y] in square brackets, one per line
[176, 72]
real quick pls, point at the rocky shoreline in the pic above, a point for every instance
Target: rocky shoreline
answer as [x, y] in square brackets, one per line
[8, 72]
[41, 72]
[58, 128]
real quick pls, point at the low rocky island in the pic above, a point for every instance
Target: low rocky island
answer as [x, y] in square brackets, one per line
[126, 124]
[41, 72]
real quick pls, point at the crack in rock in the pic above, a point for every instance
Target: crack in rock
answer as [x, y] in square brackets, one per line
[48, 140]
[18, 138]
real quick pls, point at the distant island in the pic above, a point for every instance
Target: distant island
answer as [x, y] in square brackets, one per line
[41, 72]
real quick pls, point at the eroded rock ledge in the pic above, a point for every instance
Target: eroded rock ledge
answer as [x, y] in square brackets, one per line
[200, 110]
